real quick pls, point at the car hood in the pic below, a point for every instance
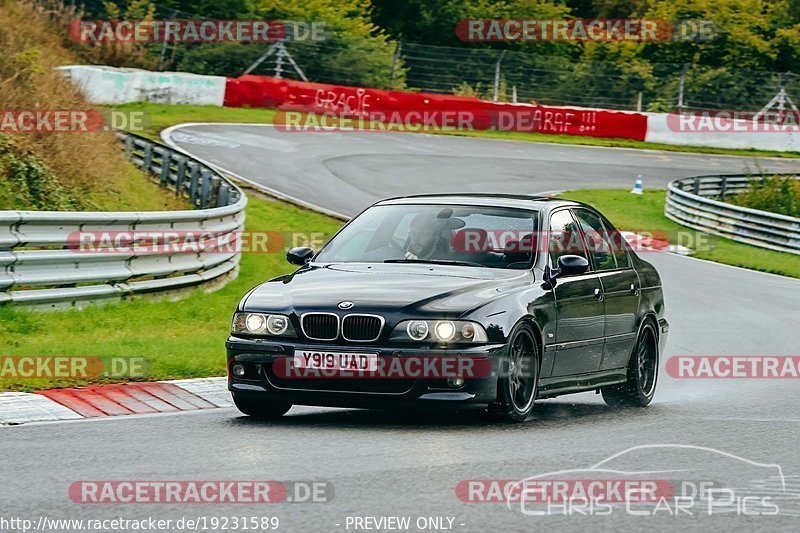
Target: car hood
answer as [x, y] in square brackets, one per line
[420, 288]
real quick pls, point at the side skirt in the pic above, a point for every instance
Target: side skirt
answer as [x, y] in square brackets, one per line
[552, 387]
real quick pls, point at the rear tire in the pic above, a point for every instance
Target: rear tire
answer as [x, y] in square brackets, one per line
[265, 409]
[639, 389]
[518, 383]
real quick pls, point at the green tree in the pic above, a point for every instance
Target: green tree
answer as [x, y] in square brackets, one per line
[354, 50]
[219, 59]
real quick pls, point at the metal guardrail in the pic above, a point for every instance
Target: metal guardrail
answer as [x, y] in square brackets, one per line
[40, 265]
[698, 203]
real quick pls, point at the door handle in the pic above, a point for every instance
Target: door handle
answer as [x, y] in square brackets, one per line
[634, 289]
[598, 294]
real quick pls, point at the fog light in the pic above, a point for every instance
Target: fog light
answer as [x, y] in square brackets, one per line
[238, 370]
[455, 382]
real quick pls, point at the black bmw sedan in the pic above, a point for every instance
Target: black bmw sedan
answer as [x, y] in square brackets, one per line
[457, 301]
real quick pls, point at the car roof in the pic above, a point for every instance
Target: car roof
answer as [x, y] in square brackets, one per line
[519, 201]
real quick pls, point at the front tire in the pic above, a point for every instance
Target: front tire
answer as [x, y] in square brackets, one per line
[639, 389]
[257, 408]
[518, 383]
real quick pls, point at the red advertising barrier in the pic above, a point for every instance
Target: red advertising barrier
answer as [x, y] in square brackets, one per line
[408, 107]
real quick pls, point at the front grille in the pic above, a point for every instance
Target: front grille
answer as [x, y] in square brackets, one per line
[320, 326]
[364, 328]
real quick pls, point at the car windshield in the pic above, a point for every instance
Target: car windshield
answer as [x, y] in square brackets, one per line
[474, 236]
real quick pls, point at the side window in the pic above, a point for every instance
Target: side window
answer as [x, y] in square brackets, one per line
[598, 242]
[565, 239]
[620, 245]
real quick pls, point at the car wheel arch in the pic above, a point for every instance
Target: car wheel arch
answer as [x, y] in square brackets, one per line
[649, 318]
[537, 334]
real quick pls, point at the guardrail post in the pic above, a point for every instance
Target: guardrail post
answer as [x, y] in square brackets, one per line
[166, 163]
[222, 195]
[148, 157]
[723, 187]
[214, 191]
[181, 174]
[205, 192]
[129, 147]
[193, 183]
[696, 186]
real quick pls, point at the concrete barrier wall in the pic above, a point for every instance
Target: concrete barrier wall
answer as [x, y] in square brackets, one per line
[718, 133]
[109, 85]
[340, 100]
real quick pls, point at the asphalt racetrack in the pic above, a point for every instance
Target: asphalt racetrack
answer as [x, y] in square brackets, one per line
[409, 464]
[346, 171]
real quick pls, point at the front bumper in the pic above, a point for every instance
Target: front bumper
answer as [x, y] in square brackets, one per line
[261, 380]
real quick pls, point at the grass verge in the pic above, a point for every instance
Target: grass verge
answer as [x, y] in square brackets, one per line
[646, 213]
[66, 170]
[160, 116]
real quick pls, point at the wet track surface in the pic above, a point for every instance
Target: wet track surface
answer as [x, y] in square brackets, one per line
[409, 464]
[347, 171]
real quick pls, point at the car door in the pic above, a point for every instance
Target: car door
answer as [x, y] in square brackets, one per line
[620, 285]
[579, 306]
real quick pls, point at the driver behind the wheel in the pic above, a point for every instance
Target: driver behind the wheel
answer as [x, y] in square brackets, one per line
[430, 235]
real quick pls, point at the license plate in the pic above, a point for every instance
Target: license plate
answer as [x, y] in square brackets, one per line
[323, 360]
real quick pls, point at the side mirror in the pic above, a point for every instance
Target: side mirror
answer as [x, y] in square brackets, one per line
[299, 256]
[568, 265]
[572, 265]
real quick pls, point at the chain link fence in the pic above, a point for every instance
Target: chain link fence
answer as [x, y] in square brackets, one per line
[512, 75]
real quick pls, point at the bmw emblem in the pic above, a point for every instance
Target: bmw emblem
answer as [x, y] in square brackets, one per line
[345, 305]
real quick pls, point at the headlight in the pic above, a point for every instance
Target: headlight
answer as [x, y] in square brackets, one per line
[417, 329]
[439, 331]
[262, 324]
[445, 330]
[255, 323]
[277, 324]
